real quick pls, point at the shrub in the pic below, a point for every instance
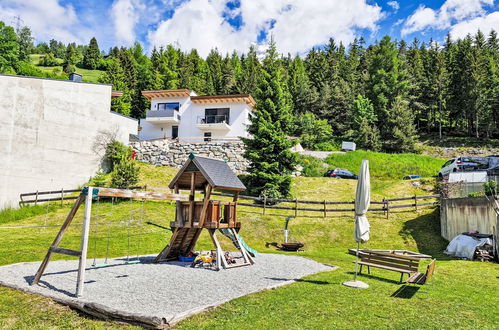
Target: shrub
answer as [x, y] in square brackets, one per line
[125, 173]
[475, 194]
[313, 131]
[48, 60]
[312, 166]
[115, 151]
[491, 188]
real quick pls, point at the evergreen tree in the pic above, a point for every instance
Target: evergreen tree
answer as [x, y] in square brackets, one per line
[9, 49]
[229, 83]
[304, 95]
[115, 76]
[251, 75]
[271, 161]
[388, 88]
[91, 56]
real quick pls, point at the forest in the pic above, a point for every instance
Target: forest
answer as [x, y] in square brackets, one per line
[382, 95]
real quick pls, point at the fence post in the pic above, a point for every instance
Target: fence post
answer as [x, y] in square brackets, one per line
[62, 196]
[416, 202]
[325, 208]
[36, 198]
[264, 203]
[296, 207]
[387, 207]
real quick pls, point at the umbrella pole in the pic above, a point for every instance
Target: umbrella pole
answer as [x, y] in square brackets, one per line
[356, 261]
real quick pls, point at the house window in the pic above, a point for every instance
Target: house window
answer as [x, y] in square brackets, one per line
[217, 115]
[207, 136]
[174, 132]
[174, 106]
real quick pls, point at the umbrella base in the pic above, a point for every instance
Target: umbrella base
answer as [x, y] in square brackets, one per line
[356, 284]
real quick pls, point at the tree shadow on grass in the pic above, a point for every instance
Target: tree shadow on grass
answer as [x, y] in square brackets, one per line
[425, 230]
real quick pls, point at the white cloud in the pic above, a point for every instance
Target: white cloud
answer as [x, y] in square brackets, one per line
[296, 25]
[47, 19]
[125, 15]
[394, 4]
[451, 12]
[484, 24]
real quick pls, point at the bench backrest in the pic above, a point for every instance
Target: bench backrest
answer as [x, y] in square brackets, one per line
[404, 262]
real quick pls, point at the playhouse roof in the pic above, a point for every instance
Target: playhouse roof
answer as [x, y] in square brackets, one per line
[214, 172]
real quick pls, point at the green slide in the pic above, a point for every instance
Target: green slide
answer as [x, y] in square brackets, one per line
[229, 234]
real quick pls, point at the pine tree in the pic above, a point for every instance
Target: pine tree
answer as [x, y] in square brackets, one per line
[91, 56]
[304, 95]
[114, 75]
[388, 88]
[271, 161]
[251, 73]
[214, 63]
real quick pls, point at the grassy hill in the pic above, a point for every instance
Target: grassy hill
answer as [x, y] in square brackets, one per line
[88, 75]
[461, 297]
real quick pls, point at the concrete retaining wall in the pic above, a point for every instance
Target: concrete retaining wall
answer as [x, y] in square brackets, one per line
[458, 215]
[47, 130]
[171, 153]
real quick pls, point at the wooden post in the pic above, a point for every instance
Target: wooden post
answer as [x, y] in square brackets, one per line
[296, 207]
[36, 198]
[206, 203]
[387, 209]
[58, 239]
[191, 199]
[84, 242]
[264, 203]
[325, 209]
[415, 202]
[62, 196]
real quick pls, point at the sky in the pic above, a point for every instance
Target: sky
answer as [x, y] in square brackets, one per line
[295, 25]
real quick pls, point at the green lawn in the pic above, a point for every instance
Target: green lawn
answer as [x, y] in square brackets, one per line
[463, 296]
[387, 166]
[88, 75]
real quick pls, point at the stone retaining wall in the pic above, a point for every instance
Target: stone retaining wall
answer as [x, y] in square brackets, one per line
[171, 153]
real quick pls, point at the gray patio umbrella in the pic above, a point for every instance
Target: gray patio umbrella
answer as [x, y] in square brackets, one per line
[362, 227]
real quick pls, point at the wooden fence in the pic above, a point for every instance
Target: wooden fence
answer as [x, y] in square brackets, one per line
[265, 203]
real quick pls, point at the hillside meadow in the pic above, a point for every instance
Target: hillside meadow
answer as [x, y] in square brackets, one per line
[455, 300]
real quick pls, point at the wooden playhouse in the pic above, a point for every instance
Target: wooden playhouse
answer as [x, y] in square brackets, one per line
[203, 175]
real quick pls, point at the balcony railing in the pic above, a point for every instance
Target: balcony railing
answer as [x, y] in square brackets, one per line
[169, 113]
[213, 119]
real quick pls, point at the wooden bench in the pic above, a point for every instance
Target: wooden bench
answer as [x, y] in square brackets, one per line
[420, 278]
[403, 264]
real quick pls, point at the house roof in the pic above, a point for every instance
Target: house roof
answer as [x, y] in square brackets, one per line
[214, 172]
[246, 98]
[166, 93]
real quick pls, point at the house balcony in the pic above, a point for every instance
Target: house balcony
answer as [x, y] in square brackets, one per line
[163, 116]
[213, 122]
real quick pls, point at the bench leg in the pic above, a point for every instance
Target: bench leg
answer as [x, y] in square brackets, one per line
[360, 271]
[401, 277]
[369, 270]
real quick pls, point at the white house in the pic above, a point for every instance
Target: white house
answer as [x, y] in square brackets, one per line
[182, 114]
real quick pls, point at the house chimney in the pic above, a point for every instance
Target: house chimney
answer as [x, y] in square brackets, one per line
[75, 77]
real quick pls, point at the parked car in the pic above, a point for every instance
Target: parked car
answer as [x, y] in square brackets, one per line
[462, 164]
[340, 173]
[411, 177]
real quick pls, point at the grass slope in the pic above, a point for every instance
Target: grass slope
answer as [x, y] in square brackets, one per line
[88, 75]
[461, 297]
[387, 166]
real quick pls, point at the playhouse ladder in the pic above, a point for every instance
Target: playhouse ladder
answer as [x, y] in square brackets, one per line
[182, 242]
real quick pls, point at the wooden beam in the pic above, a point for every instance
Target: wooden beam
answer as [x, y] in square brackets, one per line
[84, 242]
[192, 209]
[67, 252]
[206, 203]
[125, 193]
[58, 238]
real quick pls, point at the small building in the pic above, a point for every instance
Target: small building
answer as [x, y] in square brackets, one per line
[182, 114]
[48, 128]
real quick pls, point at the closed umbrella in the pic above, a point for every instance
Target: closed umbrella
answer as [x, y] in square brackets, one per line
[362, 227]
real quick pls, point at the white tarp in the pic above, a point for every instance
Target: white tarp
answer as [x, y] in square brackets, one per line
[463, 246]
[362, 201]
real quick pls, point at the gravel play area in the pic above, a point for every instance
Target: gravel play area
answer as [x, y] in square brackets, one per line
[156, 294]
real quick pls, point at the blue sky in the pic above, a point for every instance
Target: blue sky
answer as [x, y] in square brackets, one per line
[297, 25]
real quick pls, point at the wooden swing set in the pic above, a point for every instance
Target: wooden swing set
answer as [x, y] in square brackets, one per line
[191, 217]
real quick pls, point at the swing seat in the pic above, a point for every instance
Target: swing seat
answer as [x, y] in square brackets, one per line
[132, 262]
[99, 265]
